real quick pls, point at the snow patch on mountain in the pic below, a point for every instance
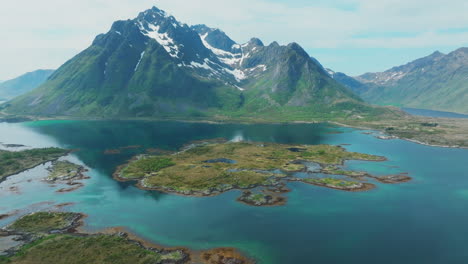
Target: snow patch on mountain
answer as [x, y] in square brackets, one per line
[141, 57]
[238, 74]
[162, 38]
[226, 57]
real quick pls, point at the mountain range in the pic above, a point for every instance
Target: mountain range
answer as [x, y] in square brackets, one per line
[23, 84]
[156, 66]
[438, 81]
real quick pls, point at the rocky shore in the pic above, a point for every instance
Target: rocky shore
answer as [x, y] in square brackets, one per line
[56, 234]
[66, 172]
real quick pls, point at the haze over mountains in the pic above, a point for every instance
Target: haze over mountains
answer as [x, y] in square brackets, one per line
[438, 81]
[156, 66]
[23, 84]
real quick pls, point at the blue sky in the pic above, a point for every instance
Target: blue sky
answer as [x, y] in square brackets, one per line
[352, 36]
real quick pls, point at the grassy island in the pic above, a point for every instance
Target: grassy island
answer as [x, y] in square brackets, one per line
[45, 222]
[261, 199]
[13, 162]
[212, 168]
[65, 170]
[50, 237]
[339, 184]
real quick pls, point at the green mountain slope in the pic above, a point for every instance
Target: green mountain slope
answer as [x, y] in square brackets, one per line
[438, 82]
[23, 84]
[155, 66]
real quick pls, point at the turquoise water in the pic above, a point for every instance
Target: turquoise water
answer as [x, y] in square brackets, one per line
[423, 221]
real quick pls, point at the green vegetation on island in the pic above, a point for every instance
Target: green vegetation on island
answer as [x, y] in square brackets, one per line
[210, 169]
[339, 184]
[97, 249]
[336, 170]
[261, 198]
[45, 222]
[13, 162]
[65, 170]
[50, 237]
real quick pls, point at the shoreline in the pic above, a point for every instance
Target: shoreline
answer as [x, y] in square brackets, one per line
[253, 122]
[194, 255]
[34, 166]
[397, 137]
[276, 181]
[76, 227]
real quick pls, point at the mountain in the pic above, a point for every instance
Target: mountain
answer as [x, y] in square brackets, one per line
[352, 83]
[156, 66]
[438, 81]
[23, 84]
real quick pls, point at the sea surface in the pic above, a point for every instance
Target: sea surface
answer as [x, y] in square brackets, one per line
[433, 113]
[422, 221]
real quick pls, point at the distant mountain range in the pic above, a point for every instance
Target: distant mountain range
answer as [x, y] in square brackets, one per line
[23, 84]
[156, 66]
[438, 81]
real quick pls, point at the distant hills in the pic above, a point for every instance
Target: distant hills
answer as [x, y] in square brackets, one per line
[438, 81]
[156, 66]
[23, 84]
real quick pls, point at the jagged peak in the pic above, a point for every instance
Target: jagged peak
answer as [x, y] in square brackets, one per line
[157, 11]
[274, 44]
[256, 42]
[296, 47]
[203, 29]
[157, 16]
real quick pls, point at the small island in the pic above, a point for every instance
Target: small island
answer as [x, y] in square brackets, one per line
[66, 172]
[263, 198]
[208, 169]
[51, 237]
[14, 162]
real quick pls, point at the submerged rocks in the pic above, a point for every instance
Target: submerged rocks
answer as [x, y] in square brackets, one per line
[398, 178]
[224, 256]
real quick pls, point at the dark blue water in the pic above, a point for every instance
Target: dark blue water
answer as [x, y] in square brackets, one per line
[433, 113]
[423, 221]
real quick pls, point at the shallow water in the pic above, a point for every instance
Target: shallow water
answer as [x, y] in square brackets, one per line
[423, 221]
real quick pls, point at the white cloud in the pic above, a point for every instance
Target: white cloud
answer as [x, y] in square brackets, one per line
[44, 34]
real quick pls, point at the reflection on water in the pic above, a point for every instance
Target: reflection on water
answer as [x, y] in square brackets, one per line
[423, 221]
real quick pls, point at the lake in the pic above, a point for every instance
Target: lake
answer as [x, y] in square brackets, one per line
[423, 221]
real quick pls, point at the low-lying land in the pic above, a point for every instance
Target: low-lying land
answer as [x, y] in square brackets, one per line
[445, 132]
[65, 171]
[45, 222]
[213, 168]
[50, 237]
[339, 184]
[14, 162]
[264, 198]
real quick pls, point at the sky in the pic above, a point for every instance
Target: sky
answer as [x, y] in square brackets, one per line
[351, 36]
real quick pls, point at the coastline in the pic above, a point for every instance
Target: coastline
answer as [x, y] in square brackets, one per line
[360, 124]
[2, 179]
[29, 234]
